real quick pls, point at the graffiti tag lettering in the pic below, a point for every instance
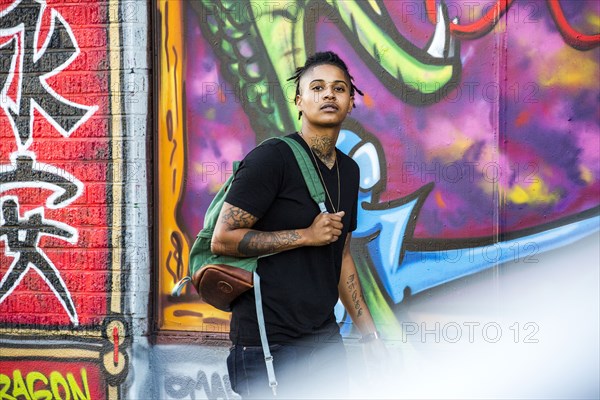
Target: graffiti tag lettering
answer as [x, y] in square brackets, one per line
[36, 385]
[180, 386]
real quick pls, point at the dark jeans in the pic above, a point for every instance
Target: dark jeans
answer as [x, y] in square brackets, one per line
[313, 369]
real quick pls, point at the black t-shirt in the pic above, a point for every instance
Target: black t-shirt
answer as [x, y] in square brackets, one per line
[299, 286]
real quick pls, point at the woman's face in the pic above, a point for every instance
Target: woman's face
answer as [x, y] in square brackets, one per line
[324, 98]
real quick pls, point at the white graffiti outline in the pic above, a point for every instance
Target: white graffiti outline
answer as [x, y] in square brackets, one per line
[17, 255]
[4, 97]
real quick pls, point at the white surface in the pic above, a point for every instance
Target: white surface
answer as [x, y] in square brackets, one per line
[527, 330]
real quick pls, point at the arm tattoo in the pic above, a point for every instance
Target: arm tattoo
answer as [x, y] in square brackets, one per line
[356, 296]
[236, 218]
[260, 243]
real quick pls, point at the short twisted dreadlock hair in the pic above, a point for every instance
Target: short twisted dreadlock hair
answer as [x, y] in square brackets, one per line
[326, 57]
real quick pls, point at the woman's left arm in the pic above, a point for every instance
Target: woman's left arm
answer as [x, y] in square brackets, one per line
[352, 296]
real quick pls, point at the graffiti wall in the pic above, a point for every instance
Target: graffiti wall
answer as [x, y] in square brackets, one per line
[478, 134]
[478, 139]
[65, 327]
[475, 136]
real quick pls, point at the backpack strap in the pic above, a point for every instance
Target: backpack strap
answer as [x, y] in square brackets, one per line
[313, 183]
[263, 335]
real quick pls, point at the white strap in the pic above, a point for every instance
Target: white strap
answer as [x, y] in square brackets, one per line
[179, 286]
[263, 335]
[323, 208]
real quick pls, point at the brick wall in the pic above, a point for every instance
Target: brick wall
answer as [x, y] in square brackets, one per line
[73, 173]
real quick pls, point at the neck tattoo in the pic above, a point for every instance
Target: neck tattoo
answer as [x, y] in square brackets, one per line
[337, 167]
[323, 148]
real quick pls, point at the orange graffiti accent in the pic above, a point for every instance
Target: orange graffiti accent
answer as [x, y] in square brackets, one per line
[439, 200]
[368, 100]
[222, 96]
[522, 118]
[486, 23]
[36, 385]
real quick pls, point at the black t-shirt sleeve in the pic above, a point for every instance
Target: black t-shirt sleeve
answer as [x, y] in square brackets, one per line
[257, 180]
[354, 219]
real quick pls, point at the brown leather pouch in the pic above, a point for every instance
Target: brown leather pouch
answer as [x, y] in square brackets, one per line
[219, 285]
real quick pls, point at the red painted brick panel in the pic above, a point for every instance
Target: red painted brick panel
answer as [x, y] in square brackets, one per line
[85, 154]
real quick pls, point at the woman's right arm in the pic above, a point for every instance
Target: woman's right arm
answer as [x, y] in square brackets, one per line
[233, 235]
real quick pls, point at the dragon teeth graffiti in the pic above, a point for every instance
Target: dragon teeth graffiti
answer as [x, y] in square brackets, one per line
[415, 75]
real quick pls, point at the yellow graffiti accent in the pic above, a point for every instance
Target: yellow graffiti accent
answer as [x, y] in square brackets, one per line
[173, 248]
[64, 354]
[453, 151]
[208, 172]
[37, 394]
[4, 386]
[60, 388]
[19, 388]
[535, 193]
[375, 6]
[57, 379]
[455, 145]
[569, 69]
[586, 174]
[75, 389]
[594, 20]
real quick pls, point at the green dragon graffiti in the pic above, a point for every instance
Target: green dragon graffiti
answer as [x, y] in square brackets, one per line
[262, 43]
